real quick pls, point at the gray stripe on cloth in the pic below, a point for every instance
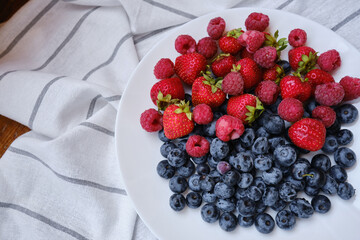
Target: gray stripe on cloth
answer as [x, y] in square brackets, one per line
[153, 33]
[28, 27]
[346, 20]
[135, 224]
[117, 47]
[67, 39]
[283, 5]
[40, 99]
[113, 98]
[43, 219]
[98, 128]
[92, 106]
[69, 179]
[170, 9]
[6, 73]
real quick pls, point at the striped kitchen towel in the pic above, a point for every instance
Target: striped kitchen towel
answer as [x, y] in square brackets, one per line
[63, 68]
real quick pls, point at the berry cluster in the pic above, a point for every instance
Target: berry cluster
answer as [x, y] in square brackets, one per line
[235, 146]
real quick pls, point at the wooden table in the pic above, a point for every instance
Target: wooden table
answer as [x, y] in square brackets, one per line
[9, 129]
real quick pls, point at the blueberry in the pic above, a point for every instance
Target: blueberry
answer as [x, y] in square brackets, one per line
[315, 178]
[223, 167]
[345, 157]
[223, 107]
[219, 149]
[346, 113]
[272, 176]
[166, 148]
[231, 177]
[306, 114]
[312, 191]
[301, 208]
[263, 162]
[334, 129]
[246, 207]
[162, 136]
[177, 157]
[285, 66]
[193, 199]
[245, 221]
[261, 132]
[242, 161]
[187, 169]
[214, 174]
[202, 169]
[338, 173]
[188, 98]
[165, 170]
[210, 213]
[331, 186]
[344, 137]
[247, 138]
[228, 221]
[278, 140]
[270, 196]
[287, 192]
[177, 202]
[264, 223]
[299, 168]
[178, 184]
[285, 219]
[285, 155]
[298, 185]
[311, 105]
[226, 205]
[209, 197]
[199, 160]
[236, 144]
[223, 190]
[218, 115]
[321, 203]
[212, 161]
[182, 144]
[345, 191]
[260, 146]
[274, 124]
[330, 145]
[254, 193]
[246, 180]
[260, 207]
[273, 107]
[321, 161]
[260, 183]
[209, 129]
[207, 183]
[279, 205]
[194, 182]
[240, 193]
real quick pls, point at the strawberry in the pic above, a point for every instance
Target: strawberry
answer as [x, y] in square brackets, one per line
[229, 43]
[250, 71]
[246, 107]
[189, 66]
[302, 59]
[177, 120]
[207, 90]
[275, 74]
[222, 64]
[308, 134]
[167, 91]
[294, 87]
[317, 77]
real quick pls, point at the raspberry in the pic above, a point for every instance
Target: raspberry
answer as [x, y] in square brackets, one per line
[329, 94]
[329, 60]
[202, 114]
[291, 109]
[216, 28]
[351, 87]
[185, 44]
[325, 114]
[267, 92]
[207, 47]
[252, 40]
[229, 128]
[197, 146]
[151, 120]
[297, 37]
[164, 68]
[266, 56]
[233, 83]
[257, 21]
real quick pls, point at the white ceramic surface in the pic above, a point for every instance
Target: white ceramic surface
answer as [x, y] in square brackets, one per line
[138, 151]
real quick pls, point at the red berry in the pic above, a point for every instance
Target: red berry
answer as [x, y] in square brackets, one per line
[207, 47]
[229, 44]
[197, 146]
[216, 28]
[297, 37]
[257, 21]
[189, 66]
[246, 107]
[329, 94]
[207, 90]
[351, 87]
[202, 114]
[294, 87]
[252, 40]
[267, 92]
[233, 83]
[169, 86]
[275, 74]
[164, 68]
[250, 72]
[329, 60]
[177, 120]
[185, 44]
[317, 76]
[302, 59]
[229, 128]
[291, 109]
[222, 65]
[325, 114]
[151, 120]
[245, 54]
[266, 57]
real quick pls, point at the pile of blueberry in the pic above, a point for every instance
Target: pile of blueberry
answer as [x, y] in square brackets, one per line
[237, 181]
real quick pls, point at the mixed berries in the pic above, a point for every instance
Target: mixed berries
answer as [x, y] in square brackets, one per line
[235, 145]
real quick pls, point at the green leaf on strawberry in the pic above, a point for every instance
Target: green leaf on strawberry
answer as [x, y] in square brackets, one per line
[254, 112]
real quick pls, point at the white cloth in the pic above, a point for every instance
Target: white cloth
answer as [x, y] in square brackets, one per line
[63, 68]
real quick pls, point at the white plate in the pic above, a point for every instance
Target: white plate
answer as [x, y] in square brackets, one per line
[138, 151]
